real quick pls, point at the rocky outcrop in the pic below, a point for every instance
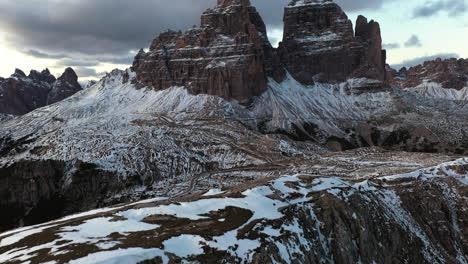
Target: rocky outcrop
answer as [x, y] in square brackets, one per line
[449, 73]
[229, 55]
[65, 86]
[21, 94]
[34, 192]
[319, 44]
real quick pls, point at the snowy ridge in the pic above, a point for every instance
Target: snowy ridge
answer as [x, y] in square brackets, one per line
[243, 223]
[435, 90]
[113, 123]
[99, 123]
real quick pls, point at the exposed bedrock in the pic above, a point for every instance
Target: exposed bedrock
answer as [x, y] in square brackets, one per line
[319, 44]
[229, 55]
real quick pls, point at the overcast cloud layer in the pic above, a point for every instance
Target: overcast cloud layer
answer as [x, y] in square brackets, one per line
[51, 28]
[111, 31]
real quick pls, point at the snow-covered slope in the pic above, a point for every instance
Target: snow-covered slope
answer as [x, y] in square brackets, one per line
[435, 90]
[291, 219]
[120, 142]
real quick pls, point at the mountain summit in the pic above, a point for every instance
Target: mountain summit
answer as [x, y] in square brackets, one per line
[21, 94]
[230, 56]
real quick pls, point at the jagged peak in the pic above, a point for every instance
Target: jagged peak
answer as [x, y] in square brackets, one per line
[46, 71]
[365, 28]
[44, 76]
[19, 73]
[69, 74]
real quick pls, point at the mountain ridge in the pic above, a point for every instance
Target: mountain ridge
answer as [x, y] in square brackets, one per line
[21, 94]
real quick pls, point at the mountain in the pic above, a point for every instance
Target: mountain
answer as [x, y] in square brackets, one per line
[21, 94]
[417, 217]
[437, 79]
[218, 107]
[319, 44]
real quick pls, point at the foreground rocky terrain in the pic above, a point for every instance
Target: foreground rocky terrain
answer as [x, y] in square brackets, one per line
[21, 94]
[417, 217]
[217, 107]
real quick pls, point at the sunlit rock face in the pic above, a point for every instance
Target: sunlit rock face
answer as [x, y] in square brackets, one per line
[319, 44]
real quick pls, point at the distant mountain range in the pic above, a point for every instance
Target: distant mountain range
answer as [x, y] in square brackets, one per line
[21, 94]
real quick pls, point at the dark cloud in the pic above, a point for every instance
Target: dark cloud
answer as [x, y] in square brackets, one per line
[421, 60]
[431, 8]
[113, 27]
[42, 55]
[77, 63]
[413, 41]
[391, 46]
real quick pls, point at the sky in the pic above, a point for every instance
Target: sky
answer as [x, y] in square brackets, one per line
[94, 37]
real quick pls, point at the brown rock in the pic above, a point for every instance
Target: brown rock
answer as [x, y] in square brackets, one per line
[319, 44]
[229, 55]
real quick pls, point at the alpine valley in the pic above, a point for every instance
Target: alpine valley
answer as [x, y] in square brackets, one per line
[216, 147]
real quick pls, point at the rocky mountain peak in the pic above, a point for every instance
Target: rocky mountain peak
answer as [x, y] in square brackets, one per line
[229, 55]
[44, 76]
[69, 75]
[19, 73]
[65, 86]
[22, 94]
[322, 36]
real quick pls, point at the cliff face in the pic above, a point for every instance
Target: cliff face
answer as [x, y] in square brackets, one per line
[228, 55]
[39, 191]
[319, 44]
[21, 94]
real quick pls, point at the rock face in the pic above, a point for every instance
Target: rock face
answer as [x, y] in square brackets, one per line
[449, 73]
[21, 94]
[319, 44]
[33, 192]
[229, 55]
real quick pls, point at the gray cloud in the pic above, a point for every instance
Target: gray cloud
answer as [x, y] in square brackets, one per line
[413, 41]
[42, 55]
[391, 46]
[421, 60]
[77, 63]
[431, 8]
[84, 72]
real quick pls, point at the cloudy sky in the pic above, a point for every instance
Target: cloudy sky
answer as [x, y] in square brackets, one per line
[95, 36]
